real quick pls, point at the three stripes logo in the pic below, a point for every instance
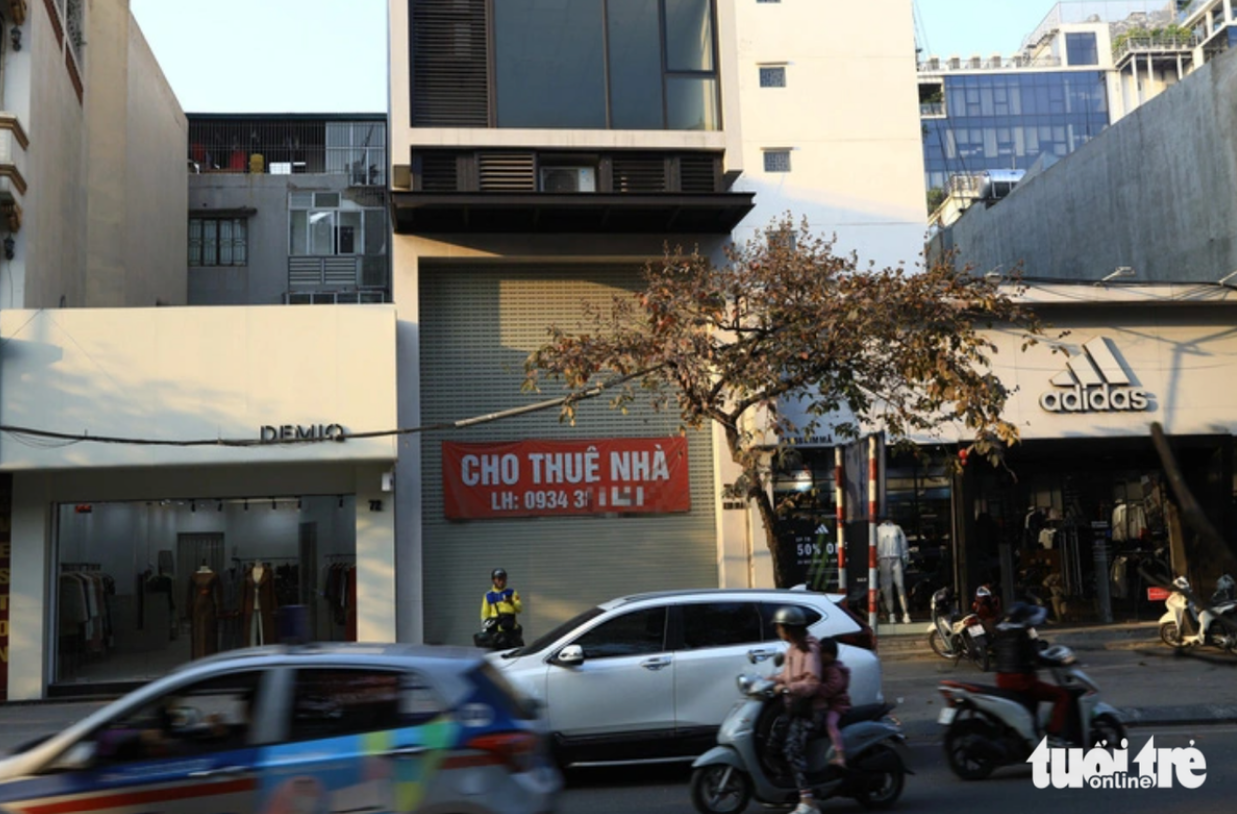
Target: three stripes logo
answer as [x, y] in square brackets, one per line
[1094, 381]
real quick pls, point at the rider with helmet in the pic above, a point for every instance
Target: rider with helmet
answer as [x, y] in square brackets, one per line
[988, 608]
[1017, 657]
[814, 684]
[501, 604]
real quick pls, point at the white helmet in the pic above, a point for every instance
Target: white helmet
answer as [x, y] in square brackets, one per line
[1182, 583]
[983, 591]
[1059, 654]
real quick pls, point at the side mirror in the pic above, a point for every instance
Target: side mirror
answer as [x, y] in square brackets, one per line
[779, 659]
[570, 656]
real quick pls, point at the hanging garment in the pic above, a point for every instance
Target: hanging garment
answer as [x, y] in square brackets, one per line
[1047, 537]
[205, 606]
[1119, 531]
[258, 608]
[230, 623]
[1120, 585]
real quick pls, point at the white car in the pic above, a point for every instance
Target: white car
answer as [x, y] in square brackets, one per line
[651, 676]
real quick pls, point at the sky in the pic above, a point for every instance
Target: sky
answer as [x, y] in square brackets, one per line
[270, 56]
[329, 56]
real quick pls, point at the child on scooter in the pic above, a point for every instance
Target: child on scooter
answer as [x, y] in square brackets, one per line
[834, 681]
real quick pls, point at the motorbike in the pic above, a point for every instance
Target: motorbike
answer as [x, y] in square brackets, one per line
[1182, 624]
[746, 763]
[953, 635]
[499, 633]
[987, 727]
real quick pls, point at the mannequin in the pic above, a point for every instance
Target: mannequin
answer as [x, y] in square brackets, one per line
[205, 606]
[892, 550]
[258, 606]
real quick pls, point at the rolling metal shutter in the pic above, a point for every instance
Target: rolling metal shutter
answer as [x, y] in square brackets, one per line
[478, 324]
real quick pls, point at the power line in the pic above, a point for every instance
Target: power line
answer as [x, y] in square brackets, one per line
[47, 439]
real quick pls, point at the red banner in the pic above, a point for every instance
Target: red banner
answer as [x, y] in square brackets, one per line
[555, 478]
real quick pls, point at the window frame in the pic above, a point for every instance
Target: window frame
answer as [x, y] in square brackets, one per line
[680, 642]
[199, 254]
[335, 214]
[603, 621]
[767, 153]
[403, 719]
[775, 71]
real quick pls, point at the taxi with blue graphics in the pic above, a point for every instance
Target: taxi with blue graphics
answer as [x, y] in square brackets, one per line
[312, 729]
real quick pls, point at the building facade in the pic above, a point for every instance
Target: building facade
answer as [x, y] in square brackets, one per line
[288, 209]
[536, 167]
[90, 180]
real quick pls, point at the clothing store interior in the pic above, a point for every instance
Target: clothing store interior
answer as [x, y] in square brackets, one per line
[144, 586]
[1037, 526]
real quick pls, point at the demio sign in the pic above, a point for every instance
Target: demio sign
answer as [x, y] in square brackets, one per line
[1094, 382]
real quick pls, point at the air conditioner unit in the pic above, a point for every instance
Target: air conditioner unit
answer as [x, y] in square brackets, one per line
[568, 179]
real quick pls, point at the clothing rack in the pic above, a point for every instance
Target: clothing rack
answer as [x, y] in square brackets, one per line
[339, 557]
[80, 566]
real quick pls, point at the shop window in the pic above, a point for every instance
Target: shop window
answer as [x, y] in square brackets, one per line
[218, 242]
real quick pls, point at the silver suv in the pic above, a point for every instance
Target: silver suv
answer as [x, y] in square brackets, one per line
[651, 676]
[315, 728]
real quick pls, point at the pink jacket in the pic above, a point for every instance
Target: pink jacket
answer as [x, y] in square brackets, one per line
[803, 676]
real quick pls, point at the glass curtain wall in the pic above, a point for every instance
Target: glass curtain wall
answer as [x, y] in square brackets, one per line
[143, 586]
[597, 64]
[1008, 121]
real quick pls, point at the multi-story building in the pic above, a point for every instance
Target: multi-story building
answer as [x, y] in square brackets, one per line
[541, 156]
[88, 137]
[288, 209]
[1087, 65]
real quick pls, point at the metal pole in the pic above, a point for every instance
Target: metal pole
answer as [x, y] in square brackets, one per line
[1099, 549]
[840, 499]
[872, 606]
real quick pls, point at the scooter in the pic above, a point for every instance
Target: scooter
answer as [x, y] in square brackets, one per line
[1183, 626]
[952, 635]
[989, 727]
[747, 763]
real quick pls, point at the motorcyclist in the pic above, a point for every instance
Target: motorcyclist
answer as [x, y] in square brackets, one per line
[501, 604]
[1017, 657]
[988, 608]
[799, 681]
[1226, 591]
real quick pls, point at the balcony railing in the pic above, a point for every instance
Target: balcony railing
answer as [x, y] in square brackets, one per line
[930, 109]
[1153, 45]
[995, 63]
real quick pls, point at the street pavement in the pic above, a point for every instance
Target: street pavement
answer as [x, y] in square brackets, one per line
[934, 788]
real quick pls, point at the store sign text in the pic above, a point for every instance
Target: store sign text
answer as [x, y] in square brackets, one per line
[1101, 399]
[1095, 381]
[270, 434]
[539, 478]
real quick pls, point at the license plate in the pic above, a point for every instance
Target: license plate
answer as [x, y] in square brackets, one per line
[975, 631]
[947, 716]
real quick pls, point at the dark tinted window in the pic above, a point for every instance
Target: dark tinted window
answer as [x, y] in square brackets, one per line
[547, 639]
[720, 624]
[549, 61]
[1080, 49]
[214, 715]
[331, 702]
[768, 609]
[689, 35]
[635, 65]
[632, 634]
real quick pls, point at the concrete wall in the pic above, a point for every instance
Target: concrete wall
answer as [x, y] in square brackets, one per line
[850, 116]
[196, 373]
[265, 279]
[1154, 192]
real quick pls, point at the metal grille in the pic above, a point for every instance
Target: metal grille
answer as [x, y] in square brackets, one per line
[506, 172]
[484, 321]
[698, 173]
[339, 271]
[639, 173]
[374, 271]
[290, 147]
[304, 272]
[773, 77]
[777, 160]
[450, 63]
[439, 171]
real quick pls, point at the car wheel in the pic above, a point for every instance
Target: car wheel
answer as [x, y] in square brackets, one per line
[881, 787]
[966, 749]
[938, 645]
[1169, 635]
[720, 789]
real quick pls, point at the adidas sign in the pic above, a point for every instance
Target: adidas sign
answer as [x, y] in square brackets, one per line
[1094, 382]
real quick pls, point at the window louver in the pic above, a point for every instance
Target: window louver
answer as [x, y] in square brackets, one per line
[506, 172]
[639, 173]
[439, 172]
[450, 70]
[698, 173]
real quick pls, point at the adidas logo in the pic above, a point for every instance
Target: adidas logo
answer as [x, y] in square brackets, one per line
[1094, 381]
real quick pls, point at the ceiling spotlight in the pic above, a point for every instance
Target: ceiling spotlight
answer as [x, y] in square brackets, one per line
[1120, 271]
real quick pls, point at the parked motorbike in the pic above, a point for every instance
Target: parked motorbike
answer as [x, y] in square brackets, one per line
[989, 727]
[747, 760]
[499, 633]
[953, 635]
[1183, 626]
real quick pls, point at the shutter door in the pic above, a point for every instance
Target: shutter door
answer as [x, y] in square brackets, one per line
[478, 324]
